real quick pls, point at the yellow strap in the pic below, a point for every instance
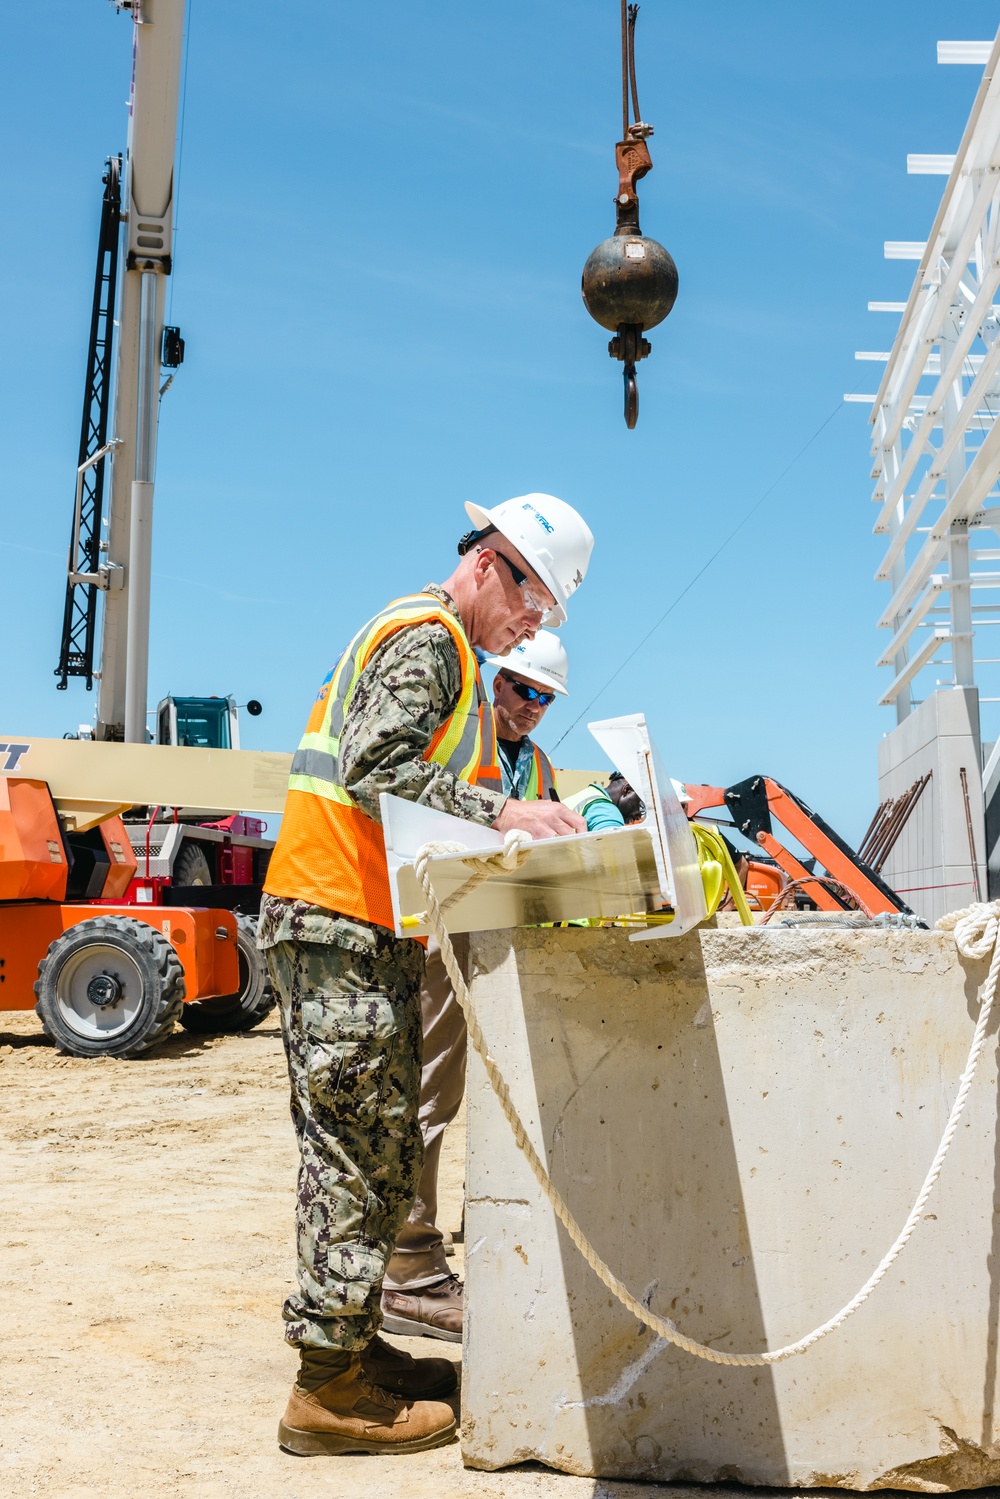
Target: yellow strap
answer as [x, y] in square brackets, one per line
[718, 871]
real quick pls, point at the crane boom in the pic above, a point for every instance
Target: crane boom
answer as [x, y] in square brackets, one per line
[148, 232]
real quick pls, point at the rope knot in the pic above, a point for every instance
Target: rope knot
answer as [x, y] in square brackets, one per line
[975, 928]
[515, 850]
[513, 854]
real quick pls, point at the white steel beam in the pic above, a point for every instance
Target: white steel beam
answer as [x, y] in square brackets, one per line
[917, 616]
[958, 356]
[902, 384]
[978, 145]
[964, 52]
[929, 166]
[916, 663]
[902, 600]
[978, 481]
[920, 447]
[934, 416]
[904, 249]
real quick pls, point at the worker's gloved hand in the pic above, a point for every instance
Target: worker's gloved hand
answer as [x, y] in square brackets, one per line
[540, 819]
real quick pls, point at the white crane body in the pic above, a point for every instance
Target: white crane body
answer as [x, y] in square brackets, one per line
[148, 204]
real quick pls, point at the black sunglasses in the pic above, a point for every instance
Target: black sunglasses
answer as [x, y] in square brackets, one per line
[520, 578]
[530, 694]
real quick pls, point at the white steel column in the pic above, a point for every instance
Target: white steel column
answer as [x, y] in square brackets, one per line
[141, 519]
[892, 457]
[960, 593]
[148, 199]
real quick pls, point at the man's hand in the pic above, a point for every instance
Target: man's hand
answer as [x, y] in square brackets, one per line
[541, 819]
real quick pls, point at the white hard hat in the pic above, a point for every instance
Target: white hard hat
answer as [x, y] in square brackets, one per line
[542, 660]
[552, 538]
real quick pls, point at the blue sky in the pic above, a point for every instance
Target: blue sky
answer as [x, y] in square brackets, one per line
[383, 215]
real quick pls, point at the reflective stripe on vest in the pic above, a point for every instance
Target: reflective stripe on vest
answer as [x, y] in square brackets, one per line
[582, 801]
[329, 852]
[541, 778]
[458, 743]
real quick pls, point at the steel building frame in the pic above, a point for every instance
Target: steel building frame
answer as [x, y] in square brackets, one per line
[936, 443]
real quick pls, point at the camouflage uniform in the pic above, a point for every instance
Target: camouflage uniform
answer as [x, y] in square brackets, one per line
[350, 1007]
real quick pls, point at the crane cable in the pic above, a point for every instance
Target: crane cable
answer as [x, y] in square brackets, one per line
[701, 571]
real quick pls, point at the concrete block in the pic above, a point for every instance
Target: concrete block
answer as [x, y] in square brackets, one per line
[931, 864]
[740, 1121]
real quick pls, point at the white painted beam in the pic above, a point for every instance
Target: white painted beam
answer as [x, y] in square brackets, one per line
[929, 166]
[977, 53]
[920, 443]
[925, 605]
[905, 249]
[915, 664]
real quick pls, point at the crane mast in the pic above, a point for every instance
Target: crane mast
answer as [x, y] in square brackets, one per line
[119, 565]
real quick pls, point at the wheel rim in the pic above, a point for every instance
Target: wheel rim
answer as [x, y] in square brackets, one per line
[99, 992]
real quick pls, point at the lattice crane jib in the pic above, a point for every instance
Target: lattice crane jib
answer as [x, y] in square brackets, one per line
[79, 629]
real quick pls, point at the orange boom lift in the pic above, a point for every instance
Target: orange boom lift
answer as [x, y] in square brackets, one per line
[105, 980]
[754, 806]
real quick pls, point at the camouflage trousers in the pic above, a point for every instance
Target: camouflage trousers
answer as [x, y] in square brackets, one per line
[351, 1027]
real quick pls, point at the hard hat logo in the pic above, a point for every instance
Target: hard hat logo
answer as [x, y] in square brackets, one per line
[540, 518]
[542, 661]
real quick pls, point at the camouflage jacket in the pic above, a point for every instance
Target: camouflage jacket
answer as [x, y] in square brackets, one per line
[407, 690]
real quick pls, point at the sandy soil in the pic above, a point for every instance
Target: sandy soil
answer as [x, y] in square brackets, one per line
[147, 1246]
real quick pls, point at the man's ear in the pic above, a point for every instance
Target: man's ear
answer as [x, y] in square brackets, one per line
[483, 563]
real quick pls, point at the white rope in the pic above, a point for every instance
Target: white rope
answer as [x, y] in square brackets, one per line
[975, 929]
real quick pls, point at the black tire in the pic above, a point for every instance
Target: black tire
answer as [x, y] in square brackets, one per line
[253, 999]
[191, 866]
[109, 987]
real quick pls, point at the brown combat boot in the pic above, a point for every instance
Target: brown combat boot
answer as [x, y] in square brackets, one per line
[430, 1312]
[402, 1374]
[350, 1414]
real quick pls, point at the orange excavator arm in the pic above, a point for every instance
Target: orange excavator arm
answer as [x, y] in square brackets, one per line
[753, 804]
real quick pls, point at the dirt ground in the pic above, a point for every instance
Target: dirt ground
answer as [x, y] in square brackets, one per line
[147, 1247]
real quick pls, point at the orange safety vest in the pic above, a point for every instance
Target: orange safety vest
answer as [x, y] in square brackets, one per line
[329, 852]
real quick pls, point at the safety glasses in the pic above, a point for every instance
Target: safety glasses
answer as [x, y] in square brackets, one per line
[531, 602]
[530, 694]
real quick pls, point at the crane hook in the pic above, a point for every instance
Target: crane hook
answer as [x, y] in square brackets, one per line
[629, 281]
[631, 397]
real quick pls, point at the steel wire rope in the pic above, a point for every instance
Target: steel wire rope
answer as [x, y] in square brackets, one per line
[624, 71]
[977, 933]
[633, 12]
[701, 571]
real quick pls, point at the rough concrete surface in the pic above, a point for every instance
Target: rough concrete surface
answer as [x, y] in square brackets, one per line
[146, 1238]
[741, 1122]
